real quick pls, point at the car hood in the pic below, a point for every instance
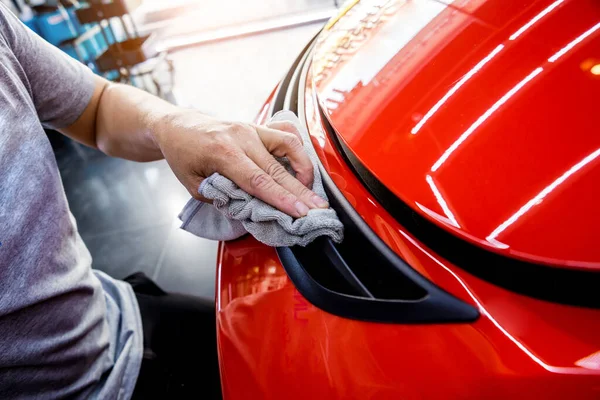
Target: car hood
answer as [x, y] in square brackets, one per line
[483, 119]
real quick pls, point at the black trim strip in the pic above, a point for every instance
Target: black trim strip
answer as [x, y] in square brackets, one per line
[560, 285]
[436, 306]
[338, 262]
[433, 309]
[280, 95]
[422, 301]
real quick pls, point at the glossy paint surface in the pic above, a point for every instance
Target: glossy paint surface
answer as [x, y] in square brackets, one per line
[481, 115]
[273, 344]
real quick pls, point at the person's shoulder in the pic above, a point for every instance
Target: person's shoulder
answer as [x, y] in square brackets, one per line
[6, 19]
[12, 30]
[4, 13]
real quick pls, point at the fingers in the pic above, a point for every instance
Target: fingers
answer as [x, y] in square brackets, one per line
[192, 184]
[244, 154]
[288, 144]
[258, 183]
[195, 194]
[285, 126]
[271, 166]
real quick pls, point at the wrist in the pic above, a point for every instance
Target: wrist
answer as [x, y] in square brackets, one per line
[176, 120]
[159, 126]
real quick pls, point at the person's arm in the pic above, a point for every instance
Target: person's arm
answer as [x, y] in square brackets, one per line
[117, 120]
[125, 122]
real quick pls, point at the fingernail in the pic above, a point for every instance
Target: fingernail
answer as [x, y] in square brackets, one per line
[301, 208]
[321, 203]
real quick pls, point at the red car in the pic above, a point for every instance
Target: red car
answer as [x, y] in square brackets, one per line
[459, 143]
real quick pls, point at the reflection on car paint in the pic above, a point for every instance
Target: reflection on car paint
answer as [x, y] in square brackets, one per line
[540, 197]
[488, 113]
[273, 344]
[431, 114]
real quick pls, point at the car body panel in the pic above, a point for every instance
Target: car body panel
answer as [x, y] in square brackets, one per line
[274, 344]
[482, 118]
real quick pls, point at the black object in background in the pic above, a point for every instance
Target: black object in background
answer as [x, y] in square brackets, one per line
[180, 344]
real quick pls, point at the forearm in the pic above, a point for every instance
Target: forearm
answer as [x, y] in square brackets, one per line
[127, 120]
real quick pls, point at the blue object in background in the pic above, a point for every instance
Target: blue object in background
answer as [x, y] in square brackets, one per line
[62, 25]
[58, 26]
[31, 23]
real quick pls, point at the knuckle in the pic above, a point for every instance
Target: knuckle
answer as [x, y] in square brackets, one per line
[230, 154]
[305, 192]
[192, 188]
[238, 128]
[260, 180]
[286, 198]
[195, 194]
[292, 141]
[275, 169]
[294, 131]
[306, 177]
[220, 146]
[284, 126]
[224, 146]
[192, 182]
[305, 171]
[289, 126]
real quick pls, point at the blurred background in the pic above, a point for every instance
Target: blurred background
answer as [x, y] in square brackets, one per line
[221, 57]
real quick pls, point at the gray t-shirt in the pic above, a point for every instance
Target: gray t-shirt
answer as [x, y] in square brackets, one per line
[65, 331]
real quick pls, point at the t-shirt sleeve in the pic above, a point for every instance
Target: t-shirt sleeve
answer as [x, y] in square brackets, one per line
[60, 86]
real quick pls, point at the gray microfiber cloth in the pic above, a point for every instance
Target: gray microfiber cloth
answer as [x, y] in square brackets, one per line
[235, 213]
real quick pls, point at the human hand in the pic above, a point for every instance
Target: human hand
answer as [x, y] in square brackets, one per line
[196, 146]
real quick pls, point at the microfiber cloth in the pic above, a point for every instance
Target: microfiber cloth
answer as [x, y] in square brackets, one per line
[235, 213]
